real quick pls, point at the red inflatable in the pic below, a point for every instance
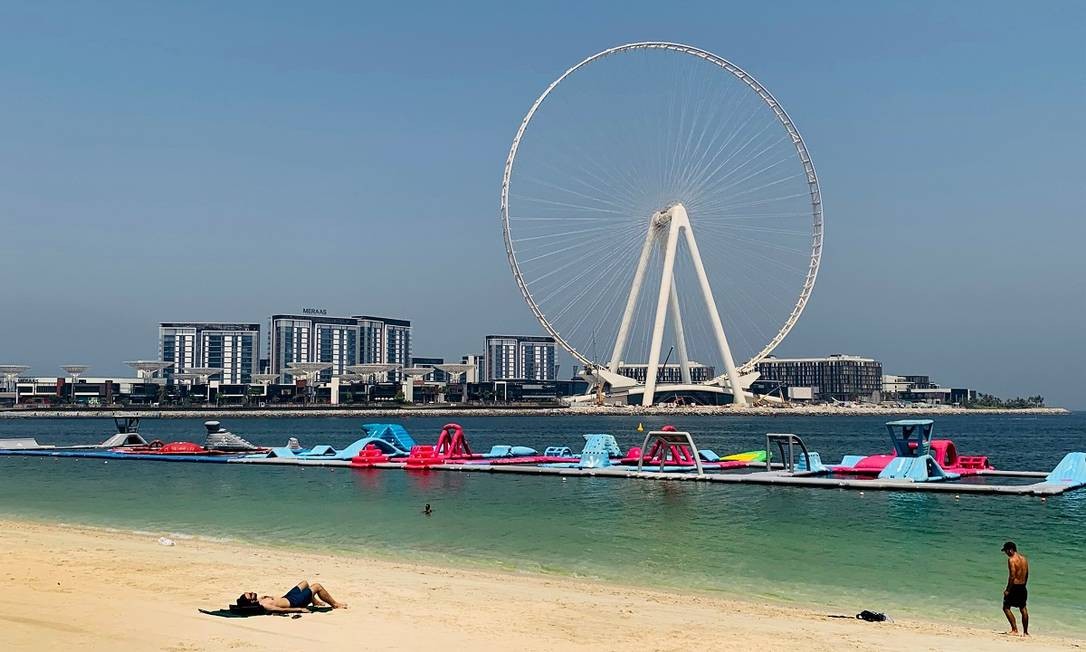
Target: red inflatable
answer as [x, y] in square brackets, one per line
[451, 443]
[422, 457]
[943, 451]
[369, 456]
[173, 448]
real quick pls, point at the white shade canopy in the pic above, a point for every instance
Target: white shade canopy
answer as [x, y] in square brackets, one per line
[368, 369]
[188, 375]
[148, 367]
[306, 369]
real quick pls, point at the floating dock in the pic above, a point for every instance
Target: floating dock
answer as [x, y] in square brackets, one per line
[775, 477]
[797, 466]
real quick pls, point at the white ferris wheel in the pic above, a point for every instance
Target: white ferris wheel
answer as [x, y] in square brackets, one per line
[658, 204]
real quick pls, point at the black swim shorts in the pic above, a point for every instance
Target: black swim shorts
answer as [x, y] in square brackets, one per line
[299, 597]
[1016, 596]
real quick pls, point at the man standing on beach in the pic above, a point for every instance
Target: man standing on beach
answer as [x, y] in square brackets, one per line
[1015, 593]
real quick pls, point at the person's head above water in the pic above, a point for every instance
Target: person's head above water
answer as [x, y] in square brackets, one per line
[1009, 548]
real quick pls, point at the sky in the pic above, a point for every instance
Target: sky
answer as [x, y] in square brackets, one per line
[226, 161]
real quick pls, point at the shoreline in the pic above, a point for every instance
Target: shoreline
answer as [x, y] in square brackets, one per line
[465, 608]
[444, 411]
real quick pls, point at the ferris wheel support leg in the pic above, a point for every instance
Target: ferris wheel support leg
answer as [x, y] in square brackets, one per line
[631, 301]
[680, 334]
[666, 282]
[738, 397]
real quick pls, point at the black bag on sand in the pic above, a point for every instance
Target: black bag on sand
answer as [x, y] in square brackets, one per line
[871, 616]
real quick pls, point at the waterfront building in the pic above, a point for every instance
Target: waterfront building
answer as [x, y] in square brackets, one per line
[232, 347]
[93, 392]
[385, 341]
[519, 357]
[339, 341]
[313, 338]
[435, 376]
[921, 389]
[669, 373]
[839, 377]
[894, 385]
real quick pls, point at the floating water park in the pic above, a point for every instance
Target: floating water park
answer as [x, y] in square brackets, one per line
[917, 461]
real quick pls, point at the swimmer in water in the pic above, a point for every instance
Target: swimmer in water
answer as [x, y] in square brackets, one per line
[426, 510]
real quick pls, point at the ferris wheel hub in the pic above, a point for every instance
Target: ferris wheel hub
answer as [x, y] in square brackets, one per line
[663, 217]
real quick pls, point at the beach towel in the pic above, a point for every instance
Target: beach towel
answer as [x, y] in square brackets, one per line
[234, 611]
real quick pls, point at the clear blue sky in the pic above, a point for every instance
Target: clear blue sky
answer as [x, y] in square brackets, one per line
[223, 161]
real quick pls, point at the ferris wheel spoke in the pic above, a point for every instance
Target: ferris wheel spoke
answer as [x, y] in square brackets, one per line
[712, 146]
[565, 234]
[594, 271]
[582, 195]
[684, 130]
[595, 280]
[712, 176]
[766, 208]
[764, 229]
[771, 260]
[596, 200]
[732, 238]
[766, 185]
[742, 263]
[739, 217]
[689, 145]
[724, 188]
[712, 164]
[552, 202]
[600, 173]
[762, 202]
[569, 218]
[574, 262]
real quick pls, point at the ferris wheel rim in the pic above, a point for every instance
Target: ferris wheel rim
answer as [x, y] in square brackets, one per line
[782, 117]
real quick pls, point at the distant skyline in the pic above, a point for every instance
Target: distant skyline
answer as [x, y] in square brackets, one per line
[224, 162]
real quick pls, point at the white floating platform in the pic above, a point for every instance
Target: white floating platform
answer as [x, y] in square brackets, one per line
[778, 478]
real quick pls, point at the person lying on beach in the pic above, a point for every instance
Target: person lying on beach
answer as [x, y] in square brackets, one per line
[295, 601]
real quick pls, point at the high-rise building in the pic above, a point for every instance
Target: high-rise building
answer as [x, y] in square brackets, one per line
[232, 347]
[385, 341]
[519, 357]
[313, 338]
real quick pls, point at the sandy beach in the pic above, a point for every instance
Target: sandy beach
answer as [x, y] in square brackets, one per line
[92, 589]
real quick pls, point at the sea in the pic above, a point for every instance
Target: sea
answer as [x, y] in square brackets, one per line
[934, 556]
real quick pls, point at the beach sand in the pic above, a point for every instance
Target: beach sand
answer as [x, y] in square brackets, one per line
[78, 588]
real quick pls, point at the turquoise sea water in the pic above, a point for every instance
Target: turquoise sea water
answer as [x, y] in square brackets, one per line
[927, 555]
